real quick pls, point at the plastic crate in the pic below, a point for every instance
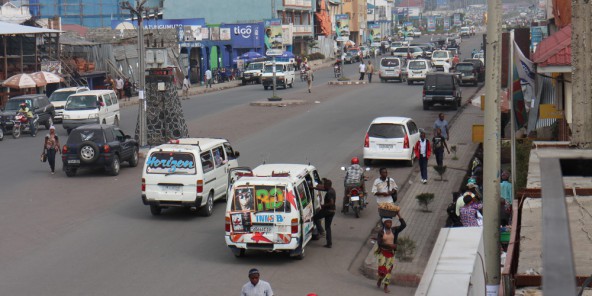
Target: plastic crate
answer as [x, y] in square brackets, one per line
[505, 237]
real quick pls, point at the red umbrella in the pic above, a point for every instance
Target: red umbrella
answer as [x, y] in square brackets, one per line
[48, 77]
[23, 81]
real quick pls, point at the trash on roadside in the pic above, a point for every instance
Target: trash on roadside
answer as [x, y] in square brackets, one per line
[317, 102]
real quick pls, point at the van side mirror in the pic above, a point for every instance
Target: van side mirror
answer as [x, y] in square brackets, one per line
[236, 154]
[128, 137]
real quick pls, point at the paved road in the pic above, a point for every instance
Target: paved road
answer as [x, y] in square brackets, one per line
[90, 235]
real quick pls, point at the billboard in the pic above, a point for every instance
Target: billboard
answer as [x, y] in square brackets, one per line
[273, 37]
[342, 27]
[431, 24]
[457, 21]
[446, 23]
[157, 24]
[246, 35]
[374, 29]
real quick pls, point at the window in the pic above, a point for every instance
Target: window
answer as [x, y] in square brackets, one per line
[207, 163]
[412, 127]
[107, 100]
[119, 135]
[229, 151]
[35, 104]
[109, 137]
[219, 156]
[386, 131]
[389, 62]
[114, 98]
[303, 194]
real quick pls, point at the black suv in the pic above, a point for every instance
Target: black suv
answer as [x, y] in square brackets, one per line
[442, 88]
[98, 145]
[38, 104]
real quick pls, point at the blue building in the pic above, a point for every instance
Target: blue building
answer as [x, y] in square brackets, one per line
[88, 13]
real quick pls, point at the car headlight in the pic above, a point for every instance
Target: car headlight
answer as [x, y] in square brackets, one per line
[94, 115]
[66, 116]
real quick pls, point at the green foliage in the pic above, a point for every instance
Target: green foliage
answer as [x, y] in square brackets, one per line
[523, 147]
[425, 199]
[405, 248]
[440, 170]
[343, 78]
[453, 149]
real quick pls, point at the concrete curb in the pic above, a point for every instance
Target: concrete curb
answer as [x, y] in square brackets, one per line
[347, 82]
[282, 103]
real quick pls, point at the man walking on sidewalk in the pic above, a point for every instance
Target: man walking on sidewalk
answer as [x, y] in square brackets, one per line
[362, 71]
[309, 78]
[443, 125]
[186, 86]
[208, 78]
[384, 188]
[423, 151]
[369, 71]
[439, 143]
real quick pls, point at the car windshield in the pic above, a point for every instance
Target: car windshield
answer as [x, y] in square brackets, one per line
[401, 49]
[464, 67]
[440, 55]
[417, 65]
[59, 96]
[81, 103]
[14, 105]
[389, 62]
[269, 68]
[162, 162]
[82, 135]
[386, 130]
[261, 198]
[255, 66]
[396, 44]
[353, 52]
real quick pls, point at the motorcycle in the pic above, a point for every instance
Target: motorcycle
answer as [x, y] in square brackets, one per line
[1, 130]
[303, 75]
[21, 125]
[337, 71]
[356, 195]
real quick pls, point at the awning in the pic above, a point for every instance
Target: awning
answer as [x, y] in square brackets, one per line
[555, 50]
[8, 28]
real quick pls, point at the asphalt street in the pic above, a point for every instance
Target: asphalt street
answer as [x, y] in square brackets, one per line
[91, 234]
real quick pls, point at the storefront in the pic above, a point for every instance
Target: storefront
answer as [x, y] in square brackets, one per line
[245, 38]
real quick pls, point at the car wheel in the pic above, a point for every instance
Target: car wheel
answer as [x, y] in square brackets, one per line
[239, 253]
[258, 80]
[302, 254]
[409, 82]
[474, 83]
[208, 208]
[426, 106]
[70, 171]
[104, 121]
[155, 210]
[367, 162]
[265, 87]
[1, 134]
[454, 106]
[49, 123]
[133, 162]
[411, 161]
[88, 152]
[244, 82]
[115, 166]
[116, 121]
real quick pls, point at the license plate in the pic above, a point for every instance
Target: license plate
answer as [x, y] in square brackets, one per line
[172, 188]
[74, 161]
[355, 198]
[261, 228]
[385, 146]
[416, 72]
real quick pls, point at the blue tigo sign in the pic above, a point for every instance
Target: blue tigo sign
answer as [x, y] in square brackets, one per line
[158, 24]
[166, 162]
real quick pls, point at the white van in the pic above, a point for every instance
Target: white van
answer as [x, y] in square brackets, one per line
[271, 208]
[59, 97]
[284, 75]
[390, 69]
[439, 57]
[90, 107]
[417, 70]
[189, 172]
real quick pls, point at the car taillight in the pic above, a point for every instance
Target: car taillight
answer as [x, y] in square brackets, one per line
[406, 142]
[294, 225]
[199, 187]
[143, 185]
[106, 148]
[367, 141]
[64, 149]
[174, 142]
[227, 224]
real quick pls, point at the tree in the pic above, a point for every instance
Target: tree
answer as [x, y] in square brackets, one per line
[425, 199]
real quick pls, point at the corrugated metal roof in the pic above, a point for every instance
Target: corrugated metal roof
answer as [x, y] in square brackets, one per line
[554, 50]
[8, 28]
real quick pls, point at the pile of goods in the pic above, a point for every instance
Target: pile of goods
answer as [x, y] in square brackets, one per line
[387, 209]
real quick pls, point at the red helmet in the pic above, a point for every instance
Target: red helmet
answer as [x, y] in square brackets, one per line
[355, 160]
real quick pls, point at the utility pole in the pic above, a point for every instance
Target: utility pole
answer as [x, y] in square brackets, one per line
[138, 12]
[491, 144]
[581, 62]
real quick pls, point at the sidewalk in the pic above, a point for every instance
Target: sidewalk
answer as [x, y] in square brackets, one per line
[197, 89]
[423, 227]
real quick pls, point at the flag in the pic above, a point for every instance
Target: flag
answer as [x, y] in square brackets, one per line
[523, 78]
[518, 100]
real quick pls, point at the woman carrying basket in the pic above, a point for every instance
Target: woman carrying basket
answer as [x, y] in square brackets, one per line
[387, 245]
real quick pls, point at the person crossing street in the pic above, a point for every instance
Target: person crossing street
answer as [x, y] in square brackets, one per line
[362, 71]
[369, 71]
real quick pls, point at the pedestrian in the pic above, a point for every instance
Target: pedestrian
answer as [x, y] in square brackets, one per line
[186, 86]
[442, 124]
[119, 86]
[423, 152]
[51, 146]
[439, 143]
[327, 211]
[309, 78]
[369, 71]
[255, 286]
[446, 66]
[208, 75]
[506, 193]
[469, 213]
[127, 89]
[387, 246]
[384, 188]
[362, 71]
[110, 83]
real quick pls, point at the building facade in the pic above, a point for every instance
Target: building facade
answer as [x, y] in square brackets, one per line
[356, 9]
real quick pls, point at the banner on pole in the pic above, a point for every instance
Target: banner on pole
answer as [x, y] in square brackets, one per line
[342, 27]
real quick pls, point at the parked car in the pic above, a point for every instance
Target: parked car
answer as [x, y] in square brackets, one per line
[390, 69]
[479, 66]
[403, 52]
[390, 138]
[252, 73]
[38, 104]
[58, 99]
[441, 88]
[468, 73]
[284, 75]
[98, 145]
[91, 107]
[417, 70]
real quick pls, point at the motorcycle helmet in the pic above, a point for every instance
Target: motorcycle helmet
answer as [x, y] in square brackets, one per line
[23, 105]
[355, 160]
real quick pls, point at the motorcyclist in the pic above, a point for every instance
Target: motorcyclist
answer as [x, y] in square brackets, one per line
[337, 65]
[473, 53]
[27, 112]
[354, 177]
